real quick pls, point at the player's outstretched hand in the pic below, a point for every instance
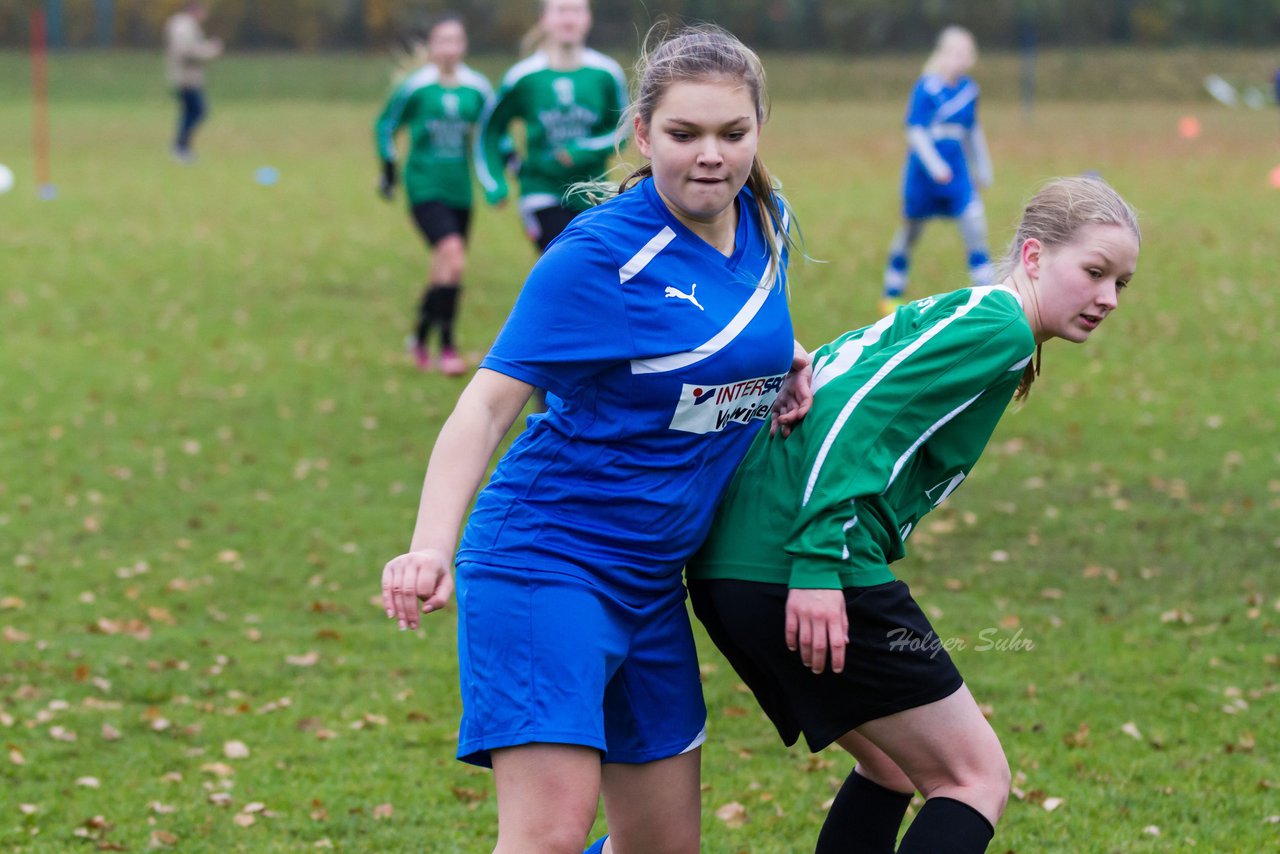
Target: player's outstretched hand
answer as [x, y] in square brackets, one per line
[943, 175]
[796, 395]
[817, 623]
[422, 575]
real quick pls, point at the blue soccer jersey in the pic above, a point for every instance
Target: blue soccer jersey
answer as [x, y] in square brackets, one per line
[662, 358]
[941, 117]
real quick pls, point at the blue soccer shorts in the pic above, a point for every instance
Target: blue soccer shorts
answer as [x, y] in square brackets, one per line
[923, 198]
[549, 657]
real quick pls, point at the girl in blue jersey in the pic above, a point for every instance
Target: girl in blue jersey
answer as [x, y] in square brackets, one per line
[947, 157]
[796, 567]
[659, 322]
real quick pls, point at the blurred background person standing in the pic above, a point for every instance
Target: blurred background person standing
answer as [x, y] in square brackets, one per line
[187, 52]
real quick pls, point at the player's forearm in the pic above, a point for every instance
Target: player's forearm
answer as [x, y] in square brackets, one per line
[458, 461]
[922, 144]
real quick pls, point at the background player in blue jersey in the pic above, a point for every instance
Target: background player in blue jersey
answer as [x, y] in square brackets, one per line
[659, 321]
[439, 102]
[947, 163]
[796, 565]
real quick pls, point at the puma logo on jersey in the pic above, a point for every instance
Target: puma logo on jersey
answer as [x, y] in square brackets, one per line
[679, 294]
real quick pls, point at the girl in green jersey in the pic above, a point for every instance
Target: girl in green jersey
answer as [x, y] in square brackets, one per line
[570, 99]
[793, 582]
[439, 105]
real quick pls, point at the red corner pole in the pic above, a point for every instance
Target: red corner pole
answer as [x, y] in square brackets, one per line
[40, 92]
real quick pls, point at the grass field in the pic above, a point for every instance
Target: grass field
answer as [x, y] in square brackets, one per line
[211, 441]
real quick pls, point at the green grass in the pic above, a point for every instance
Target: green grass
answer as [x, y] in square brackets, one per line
[209, 429]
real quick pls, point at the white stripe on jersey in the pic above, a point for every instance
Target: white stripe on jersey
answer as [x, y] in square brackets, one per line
[1020, 365]
[721, 339]
[956, 103]
[924, 437]
[976, 296]
[641, 259]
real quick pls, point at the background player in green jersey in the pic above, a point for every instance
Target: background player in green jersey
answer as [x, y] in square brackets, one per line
[570, 99]
[796, 567]
[439, 104]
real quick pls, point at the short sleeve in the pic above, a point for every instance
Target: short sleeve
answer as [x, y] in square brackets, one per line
[569, 321]
[920, 109]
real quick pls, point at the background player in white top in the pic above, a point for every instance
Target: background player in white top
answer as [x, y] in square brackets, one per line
[578, 671]
[796, 566]
[187, 52]
[947, 162]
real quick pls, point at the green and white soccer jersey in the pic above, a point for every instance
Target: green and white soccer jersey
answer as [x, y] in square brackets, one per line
[902, 410]
[574, 112]
[440, 119]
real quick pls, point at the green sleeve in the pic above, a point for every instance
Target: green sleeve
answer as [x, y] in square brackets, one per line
[589, 151]
[390, 120]
[492, 143]
[890, 406]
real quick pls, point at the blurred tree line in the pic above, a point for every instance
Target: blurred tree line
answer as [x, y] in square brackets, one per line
[830, 25]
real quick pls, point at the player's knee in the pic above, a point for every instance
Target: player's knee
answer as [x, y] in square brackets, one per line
[552, 834]
[885, 773]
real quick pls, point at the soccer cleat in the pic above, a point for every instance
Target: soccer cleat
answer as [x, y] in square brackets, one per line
[421, 357]
[451, 364]
[888, 305]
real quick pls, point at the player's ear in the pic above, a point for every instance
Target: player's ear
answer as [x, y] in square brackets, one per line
[1031, 250]
[642, 138]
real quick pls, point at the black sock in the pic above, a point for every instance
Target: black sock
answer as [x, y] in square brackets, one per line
[863, 819]
[446, 310]
[427, 315]
[947, 826]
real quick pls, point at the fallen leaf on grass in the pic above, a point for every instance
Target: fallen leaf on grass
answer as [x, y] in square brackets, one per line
[220, 799]
[1151, 830]
[307, 659]
[323, 843]
[162, 839]
[1051, 804]
[235, 750]
[733, 814]
[88, 782]
[1079, 738]
[244, 819]
[28, 809]
[220, 769]
[161, 809]
[1131, 729]
[382, 811]
[12, 635]
[110, 733]
[16, 757]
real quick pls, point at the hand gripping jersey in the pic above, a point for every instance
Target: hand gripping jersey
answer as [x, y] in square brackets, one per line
[902, 410]
[662, 357]
[572, 111]
[440, 120]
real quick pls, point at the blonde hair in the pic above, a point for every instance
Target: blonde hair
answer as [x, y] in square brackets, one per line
[1054, 216]
[933, 64]
[535, 38]
[707, 52]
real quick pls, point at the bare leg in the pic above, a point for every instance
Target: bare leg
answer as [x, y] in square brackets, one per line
[654, 808]
[947, 749]
[547, 796]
